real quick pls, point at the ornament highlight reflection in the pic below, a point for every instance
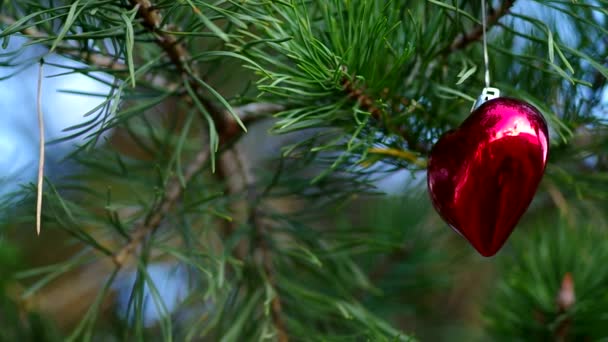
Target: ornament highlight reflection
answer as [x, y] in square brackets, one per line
[483, 175]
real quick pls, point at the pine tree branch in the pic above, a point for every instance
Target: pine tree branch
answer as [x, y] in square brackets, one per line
[248, 113]
[236, 178]
[368, 103]
[276, 310]
[226, 129]
[173, 193]
[30, 31]
[256, 111]
[90, 58]
[235, 163]
[151, 19]
[463, 40]
[365, 101]
[174, 190]
[232, 168]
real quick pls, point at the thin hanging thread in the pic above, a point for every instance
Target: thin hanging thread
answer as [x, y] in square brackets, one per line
[485, 43]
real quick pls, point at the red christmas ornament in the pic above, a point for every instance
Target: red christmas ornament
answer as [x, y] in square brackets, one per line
[483, 175]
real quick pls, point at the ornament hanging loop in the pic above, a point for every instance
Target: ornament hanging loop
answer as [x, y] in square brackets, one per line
[487, 94]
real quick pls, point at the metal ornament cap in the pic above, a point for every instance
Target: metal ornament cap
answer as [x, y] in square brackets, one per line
[483, 176]
[487, 94]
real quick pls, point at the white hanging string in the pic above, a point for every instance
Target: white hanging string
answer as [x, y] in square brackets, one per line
[485, 43]
[488, 92]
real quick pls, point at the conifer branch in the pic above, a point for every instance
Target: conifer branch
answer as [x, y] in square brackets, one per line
[30, 31]
[91, 58]
[256, 111]
[173, 193]
[236, 163]
[151, 20]
[178, 54]
[262, 234]
[174, 190]
[463, 40]
[276, 310]
[367, 103]
[230, 169]
[227, 129]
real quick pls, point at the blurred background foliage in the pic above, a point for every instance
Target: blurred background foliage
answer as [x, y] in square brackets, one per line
[166, 221]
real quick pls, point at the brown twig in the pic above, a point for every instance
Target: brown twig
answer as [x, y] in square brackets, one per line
[234, 162]
[276, 310]
[227, 128]
[177, 53]
[253, 112]
[30, 31]
[173, 192]
[366, 102]
[151, 19]
[463, 40]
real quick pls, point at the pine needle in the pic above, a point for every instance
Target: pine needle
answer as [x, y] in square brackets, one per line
[41, 150]
[401, 154]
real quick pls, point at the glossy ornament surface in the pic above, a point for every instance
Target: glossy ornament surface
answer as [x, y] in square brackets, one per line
[483, 175]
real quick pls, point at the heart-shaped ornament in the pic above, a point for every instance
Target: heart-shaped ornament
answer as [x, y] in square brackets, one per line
[483, 175]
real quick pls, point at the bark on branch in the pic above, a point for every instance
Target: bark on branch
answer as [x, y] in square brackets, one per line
[173, 190]
[227, 129]
[155, 217]
[493, 15]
